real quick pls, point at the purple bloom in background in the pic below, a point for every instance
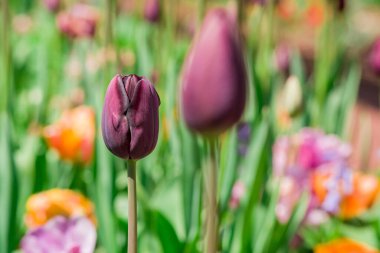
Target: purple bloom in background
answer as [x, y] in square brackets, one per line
[61, 235]
[298, 157]
[244, 135]
[374, 57]
[130, 117]
[214, 81]
[152, 10]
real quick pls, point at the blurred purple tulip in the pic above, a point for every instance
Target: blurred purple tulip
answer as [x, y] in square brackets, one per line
[214, 79]
[61, 235]
[130, 117]
[52, 5]
[152, 10]
[282, 57]
[374, 57]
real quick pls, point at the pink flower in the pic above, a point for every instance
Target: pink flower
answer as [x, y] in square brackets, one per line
[297, 159]
[78, 22]
[238, 191]
[61, 235]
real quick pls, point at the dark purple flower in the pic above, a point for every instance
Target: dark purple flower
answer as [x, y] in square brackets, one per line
[214, 79]
[130, 117]
[61, 235]
[341, 5]
[152, 10]
[374, 57]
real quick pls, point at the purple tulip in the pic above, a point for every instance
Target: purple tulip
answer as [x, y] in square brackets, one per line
[61, 235]
[152, 10]
[130, 117]
[214, 77]
[374, 57]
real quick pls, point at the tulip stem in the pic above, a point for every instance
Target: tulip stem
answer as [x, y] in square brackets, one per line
[211, 198]
[132, 209]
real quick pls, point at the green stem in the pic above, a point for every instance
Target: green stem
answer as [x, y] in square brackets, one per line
[5, 53]
[132, 208]
[109, 23]
[211, 198]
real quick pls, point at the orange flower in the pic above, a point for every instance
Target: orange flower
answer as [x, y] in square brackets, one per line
[72, 136]
[286, 9]
[344, 245]
[43, 206]
[315, 14]
[365, 191]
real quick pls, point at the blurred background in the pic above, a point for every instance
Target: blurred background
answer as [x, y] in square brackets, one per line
[299, 173]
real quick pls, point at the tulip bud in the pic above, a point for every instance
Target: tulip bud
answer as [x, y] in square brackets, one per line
[214, 80]
[152, 10]
[130, 117]
[292, 95]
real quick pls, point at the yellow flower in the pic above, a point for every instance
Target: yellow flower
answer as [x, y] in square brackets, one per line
[43, 206]
[72, 136]
[344, 245]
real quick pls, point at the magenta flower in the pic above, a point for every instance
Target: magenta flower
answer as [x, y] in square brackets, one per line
[297, 158]
[130, 117]
[61, 235]
[214, 79]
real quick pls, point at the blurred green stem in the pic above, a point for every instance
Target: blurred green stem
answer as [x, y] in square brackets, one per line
[109, 22]
[132, 209]
[211, 198]
[5, 53]
[202, 5]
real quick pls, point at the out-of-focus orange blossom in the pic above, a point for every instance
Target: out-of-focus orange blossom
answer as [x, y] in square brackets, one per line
[315, 13]
[72, 136]
[286, 9]
[284, 119]
[344, 245]
[43, 206]
[365, 190]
